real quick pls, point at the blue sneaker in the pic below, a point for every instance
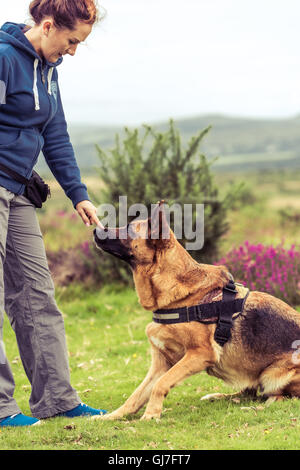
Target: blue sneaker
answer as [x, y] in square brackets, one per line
[82, 410]
[19, 420]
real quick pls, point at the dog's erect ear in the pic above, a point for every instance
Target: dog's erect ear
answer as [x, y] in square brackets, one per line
[159, 228]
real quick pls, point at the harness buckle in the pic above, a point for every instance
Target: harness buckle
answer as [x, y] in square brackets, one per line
[223, 331]
[230, 287]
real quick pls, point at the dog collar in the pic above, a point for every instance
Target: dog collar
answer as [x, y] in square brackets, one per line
[220, 312]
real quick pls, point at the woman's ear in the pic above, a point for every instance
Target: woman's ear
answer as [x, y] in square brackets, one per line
[47, 26]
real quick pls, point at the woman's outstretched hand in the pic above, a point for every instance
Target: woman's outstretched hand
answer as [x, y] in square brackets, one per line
[87, 212]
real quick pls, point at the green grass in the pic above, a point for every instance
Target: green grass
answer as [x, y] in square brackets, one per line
[109, 352]
[109, 356]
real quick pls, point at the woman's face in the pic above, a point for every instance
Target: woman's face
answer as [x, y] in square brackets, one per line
[57, 42]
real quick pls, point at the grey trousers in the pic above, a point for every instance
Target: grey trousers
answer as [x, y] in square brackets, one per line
[27, 297]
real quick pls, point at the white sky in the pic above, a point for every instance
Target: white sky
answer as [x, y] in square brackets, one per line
[150, 60]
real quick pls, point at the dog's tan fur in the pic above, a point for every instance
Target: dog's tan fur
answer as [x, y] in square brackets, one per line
[166, 276]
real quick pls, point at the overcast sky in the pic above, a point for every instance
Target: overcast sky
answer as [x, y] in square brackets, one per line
[150, 60]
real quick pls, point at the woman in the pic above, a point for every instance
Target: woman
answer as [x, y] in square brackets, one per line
[31, 120]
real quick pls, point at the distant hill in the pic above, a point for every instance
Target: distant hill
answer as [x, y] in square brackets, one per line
[240, 143]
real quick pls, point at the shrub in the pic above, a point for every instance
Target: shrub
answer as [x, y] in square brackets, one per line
[156, 166]
[275, 270]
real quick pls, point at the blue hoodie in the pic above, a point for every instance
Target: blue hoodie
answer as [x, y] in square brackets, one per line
[32, 117]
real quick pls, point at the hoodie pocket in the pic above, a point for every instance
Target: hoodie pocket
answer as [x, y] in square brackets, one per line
[9, 138]
[20, 150]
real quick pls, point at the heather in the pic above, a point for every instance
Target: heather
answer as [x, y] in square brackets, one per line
[267, 268]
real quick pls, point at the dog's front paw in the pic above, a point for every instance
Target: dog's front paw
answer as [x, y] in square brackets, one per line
[149, 416]
[107, 417]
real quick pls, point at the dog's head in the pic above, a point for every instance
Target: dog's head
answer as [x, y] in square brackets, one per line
[138, 242]
[164, 273]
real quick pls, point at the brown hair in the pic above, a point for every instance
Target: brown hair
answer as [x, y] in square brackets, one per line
[65, 13]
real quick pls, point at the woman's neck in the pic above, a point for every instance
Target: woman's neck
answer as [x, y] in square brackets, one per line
[33, 36]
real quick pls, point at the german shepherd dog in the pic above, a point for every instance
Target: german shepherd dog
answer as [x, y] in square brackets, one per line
[260, 355]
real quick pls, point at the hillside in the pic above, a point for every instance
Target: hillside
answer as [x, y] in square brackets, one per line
[239, 143]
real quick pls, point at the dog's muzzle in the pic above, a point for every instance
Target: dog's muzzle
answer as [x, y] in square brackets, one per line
[100, 235]
[112, 245]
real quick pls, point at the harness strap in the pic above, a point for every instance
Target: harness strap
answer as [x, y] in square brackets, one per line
[223, 330]
[220, 312]
[201, 312]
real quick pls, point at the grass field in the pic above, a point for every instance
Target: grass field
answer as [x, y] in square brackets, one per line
[109, 356]
[109, 353]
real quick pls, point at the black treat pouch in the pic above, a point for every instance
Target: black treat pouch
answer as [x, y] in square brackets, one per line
[36, 190]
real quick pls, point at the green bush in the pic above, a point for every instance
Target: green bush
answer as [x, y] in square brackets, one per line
[148, 166]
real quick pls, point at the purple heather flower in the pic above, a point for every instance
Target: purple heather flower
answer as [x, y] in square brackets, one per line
[272, 269]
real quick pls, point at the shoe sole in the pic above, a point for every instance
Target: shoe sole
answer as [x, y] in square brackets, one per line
[38, 423]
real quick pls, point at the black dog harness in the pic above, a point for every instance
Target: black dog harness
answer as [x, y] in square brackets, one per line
[223, 310]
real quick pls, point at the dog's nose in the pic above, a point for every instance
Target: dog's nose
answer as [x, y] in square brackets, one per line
[98, 232]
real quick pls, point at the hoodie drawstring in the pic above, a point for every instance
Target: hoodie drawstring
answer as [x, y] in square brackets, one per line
[35, 87]
[50, 73]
